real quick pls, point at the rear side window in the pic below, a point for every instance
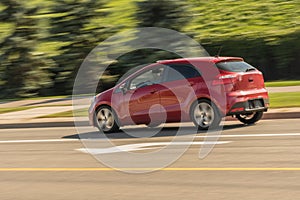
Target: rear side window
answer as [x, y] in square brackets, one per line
[235, 66]
[177, 72]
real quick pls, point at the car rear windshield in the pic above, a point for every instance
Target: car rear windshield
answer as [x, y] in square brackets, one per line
[235, 66]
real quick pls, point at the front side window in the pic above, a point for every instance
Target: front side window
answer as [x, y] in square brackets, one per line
[149, 77]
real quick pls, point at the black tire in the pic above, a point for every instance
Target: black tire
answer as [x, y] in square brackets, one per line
[205, 114]
[250, 118]
[106, 120]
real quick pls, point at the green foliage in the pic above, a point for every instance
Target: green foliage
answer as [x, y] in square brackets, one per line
[71, 27]
[23, 71]
[172, 14]
[11, 10]
[245, 19]
[43, 42]
[265, 33]
[129, 63]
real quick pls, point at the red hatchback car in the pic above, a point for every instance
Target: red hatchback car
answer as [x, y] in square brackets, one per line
[201, 90]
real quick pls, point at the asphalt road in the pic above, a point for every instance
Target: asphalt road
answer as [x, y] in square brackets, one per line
[249, 162]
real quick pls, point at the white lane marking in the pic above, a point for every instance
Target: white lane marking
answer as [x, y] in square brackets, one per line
[199, 136]
[249, 135]
[141, 146]
[37, 141]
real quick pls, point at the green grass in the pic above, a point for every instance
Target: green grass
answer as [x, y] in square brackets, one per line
[284, 99]
[282, 83]
[34, 98]
[47, 97]
[244, 18]
[14, 109]
[78, 113]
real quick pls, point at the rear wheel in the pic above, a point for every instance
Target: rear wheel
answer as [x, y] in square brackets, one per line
[205, 114]
[106, 120]
[250, 118]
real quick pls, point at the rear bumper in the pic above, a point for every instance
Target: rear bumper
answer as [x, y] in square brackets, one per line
[250, 106]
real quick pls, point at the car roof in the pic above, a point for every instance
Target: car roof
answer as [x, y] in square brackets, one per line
[215, 59]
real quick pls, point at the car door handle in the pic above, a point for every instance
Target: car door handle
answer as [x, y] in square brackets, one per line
[192, 84]
[153, 91]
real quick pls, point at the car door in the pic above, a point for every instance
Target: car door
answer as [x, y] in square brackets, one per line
[180, 85]
[142, 96]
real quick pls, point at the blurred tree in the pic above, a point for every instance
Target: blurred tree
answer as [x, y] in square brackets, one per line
[71, 26]
[171, 14]
[11, 11]
[23, 71]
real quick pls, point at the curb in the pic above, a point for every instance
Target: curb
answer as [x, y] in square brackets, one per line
[43, 124]
[281, 115]
[271, 115]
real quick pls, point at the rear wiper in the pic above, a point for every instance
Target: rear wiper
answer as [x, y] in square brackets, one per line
[250, 69]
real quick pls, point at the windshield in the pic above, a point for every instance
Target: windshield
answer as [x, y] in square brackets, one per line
[235, 66]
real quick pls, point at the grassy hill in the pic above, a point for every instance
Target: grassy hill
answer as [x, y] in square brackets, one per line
[245, 18]
[210, 19]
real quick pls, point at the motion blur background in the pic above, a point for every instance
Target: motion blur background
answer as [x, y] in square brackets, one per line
[43, 42]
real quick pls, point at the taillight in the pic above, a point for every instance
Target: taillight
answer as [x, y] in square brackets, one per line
[225, 79]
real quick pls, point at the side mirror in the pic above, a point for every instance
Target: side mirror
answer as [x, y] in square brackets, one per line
[123, 88]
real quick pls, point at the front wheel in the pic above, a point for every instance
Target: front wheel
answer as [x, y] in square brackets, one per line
[250, 118]
[106, 120]
[205, 114]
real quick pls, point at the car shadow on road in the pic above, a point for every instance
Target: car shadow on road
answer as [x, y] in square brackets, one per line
[144, 132]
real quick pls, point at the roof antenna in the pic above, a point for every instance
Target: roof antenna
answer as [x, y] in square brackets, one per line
[219, 51]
